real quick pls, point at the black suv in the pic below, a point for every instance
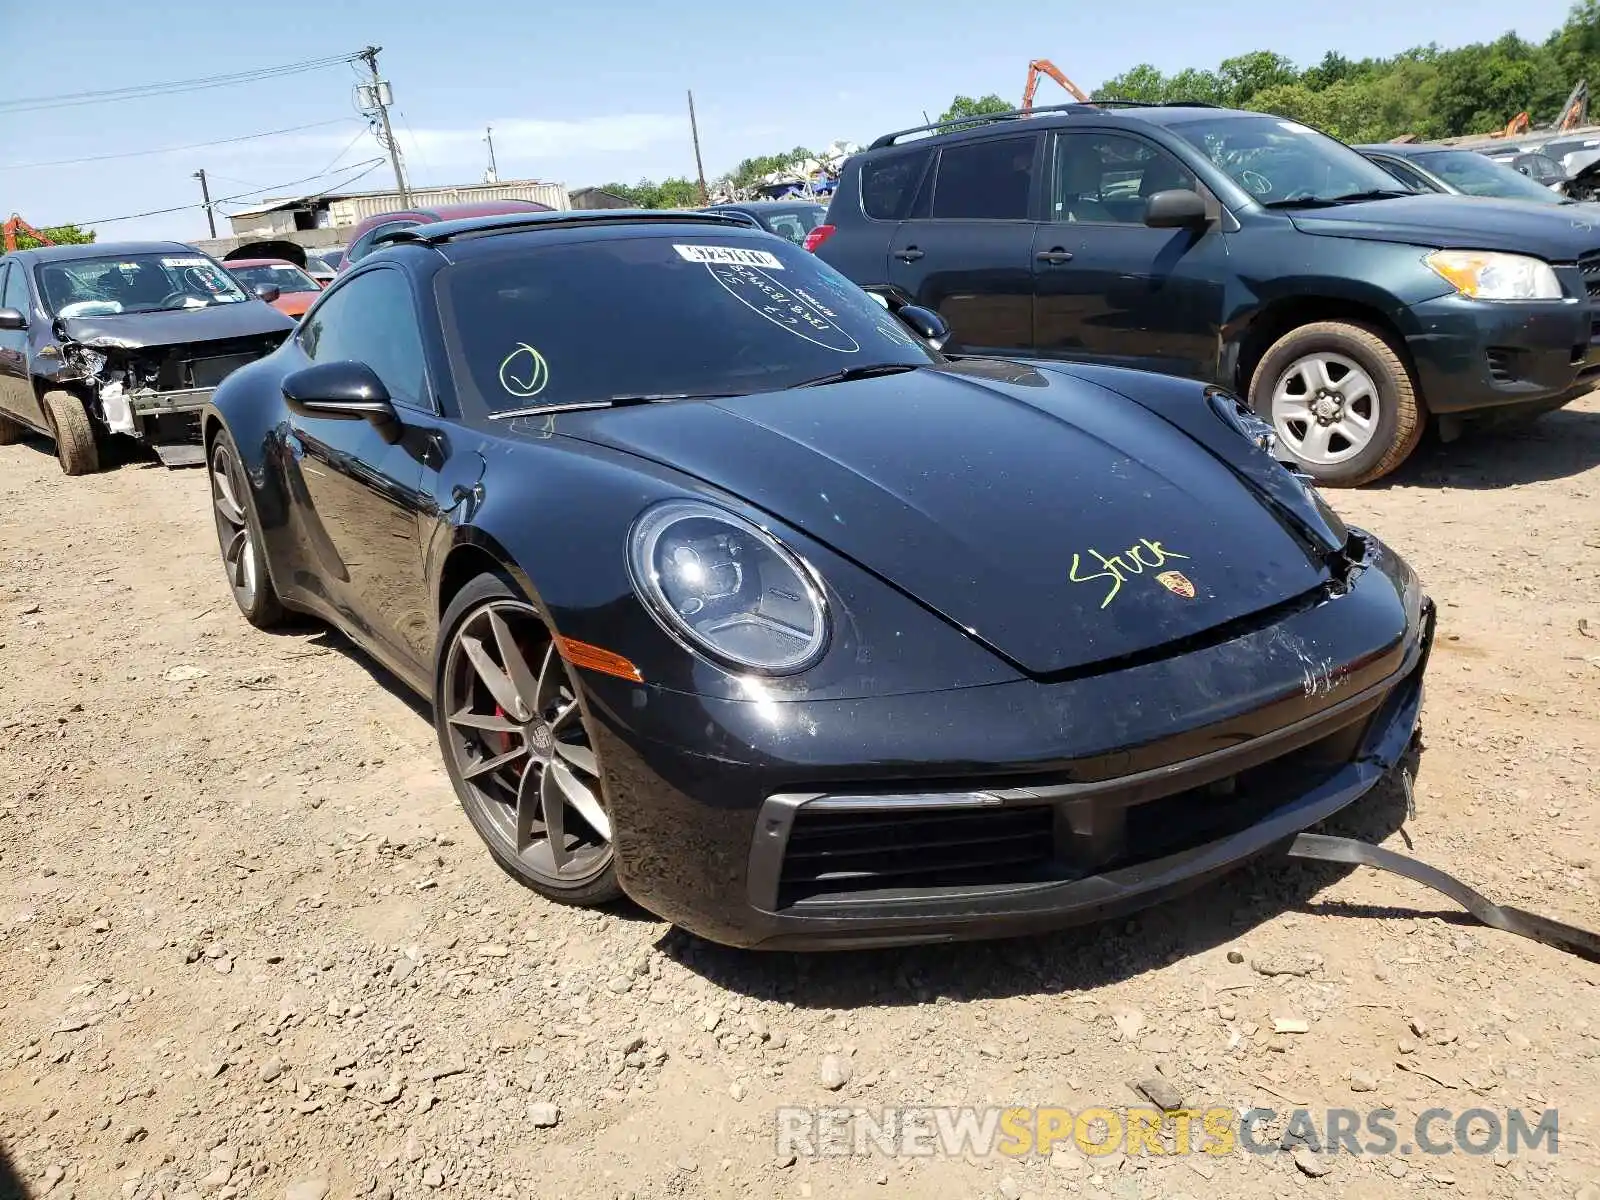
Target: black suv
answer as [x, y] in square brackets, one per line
[1232, 247]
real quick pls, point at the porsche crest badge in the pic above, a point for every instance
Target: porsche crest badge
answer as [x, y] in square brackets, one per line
[1177, 583]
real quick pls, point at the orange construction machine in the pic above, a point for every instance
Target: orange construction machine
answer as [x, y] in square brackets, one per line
[16, 225]
[1043, 66]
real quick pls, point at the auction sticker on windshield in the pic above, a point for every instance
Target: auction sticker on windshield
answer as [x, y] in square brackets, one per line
[730, 255]
[764, 295]
[185, 262]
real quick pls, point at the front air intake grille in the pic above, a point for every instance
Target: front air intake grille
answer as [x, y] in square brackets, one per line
[831, 851]
[1589, 268]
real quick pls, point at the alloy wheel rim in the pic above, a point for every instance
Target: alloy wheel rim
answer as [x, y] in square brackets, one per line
[519, 746]
[1325, 408]
[233, 525]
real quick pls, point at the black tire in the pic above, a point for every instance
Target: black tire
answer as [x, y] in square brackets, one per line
[1398, 423]
[598, 883]
[76, 447]
[244, 562]
[10, 432]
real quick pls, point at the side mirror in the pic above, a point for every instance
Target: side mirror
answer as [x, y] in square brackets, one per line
[926, 324]
[267, 291]
[10, 318]
[1178, 208]
[343, 391]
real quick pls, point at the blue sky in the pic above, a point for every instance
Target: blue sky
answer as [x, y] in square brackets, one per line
[586, 93]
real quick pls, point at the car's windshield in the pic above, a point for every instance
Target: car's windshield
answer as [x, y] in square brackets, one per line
[699, 312]
[1472, 173]
[331, 258]
[286, 277]
[135, 283]
[794, 223]
[1280, 161]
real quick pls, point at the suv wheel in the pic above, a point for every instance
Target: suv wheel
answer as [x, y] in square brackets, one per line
[1342, 400]
[10, 432]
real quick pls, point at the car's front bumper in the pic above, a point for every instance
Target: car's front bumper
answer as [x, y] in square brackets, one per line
[1473, 354]
[1015, 807]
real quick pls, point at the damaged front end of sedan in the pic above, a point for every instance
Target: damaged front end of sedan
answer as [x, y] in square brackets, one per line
[148, 376]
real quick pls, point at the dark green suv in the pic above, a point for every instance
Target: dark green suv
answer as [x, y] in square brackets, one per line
[1233, 247]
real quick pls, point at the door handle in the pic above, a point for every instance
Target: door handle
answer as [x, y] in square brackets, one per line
[909, 254]
[1055, 257]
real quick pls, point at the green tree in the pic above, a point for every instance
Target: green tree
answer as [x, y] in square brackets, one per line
[752, 170]
[966, 106]
[61, 235]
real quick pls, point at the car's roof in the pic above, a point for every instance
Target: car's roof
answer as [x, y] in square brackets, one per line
[105, 250]
[763, 205]
[1109, 112]
[259, 262]
[475, 237]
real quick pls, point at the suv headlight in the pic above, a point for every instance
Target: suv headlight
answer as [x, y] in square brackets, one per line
[1485, 275]
[724, 587]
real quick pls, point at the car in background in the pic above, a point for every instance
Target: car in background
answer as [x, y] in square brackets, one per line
[323, 265]
[790, 219]
[726, 591]
[122, 338]
[1537, 166]
[281, 284]
[1430, 168]
[362, 237]
[1238, 248]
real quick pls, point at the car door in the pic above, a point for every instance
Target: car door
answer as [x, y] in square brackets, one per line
[362, 496]
[1108, 287]
[17, 396]
[970, 257]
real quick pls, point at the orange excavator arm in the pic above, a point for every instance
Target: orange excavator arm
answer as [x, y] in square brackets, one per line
[1043, 66]
[9, 231]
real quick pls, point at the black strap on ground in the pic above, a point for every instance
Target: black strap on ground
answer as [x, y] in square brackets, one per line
[1320, 846]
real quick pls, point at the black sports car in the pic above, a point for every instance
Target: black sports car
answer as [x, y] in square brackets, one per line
[732, 594]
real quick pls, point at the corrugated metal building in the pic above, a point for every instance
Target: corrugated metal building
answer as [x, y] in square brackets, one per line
[341, 210]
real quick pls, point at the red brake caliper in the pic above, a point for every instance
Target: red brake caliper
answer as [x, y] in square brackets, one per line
[505, 738]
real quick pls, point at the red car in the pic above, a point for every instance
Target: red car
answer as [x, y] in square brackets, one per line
[362, 236]
[297, 291]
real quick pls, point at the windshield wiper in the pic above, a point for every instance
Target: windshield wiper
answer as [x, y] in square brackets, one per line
[1332, 201]
[623, 400]
[851, 373]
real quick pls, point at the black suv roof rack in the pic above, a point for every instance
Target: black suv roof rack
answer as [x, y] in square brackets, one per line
[1016, 114]
[436, 232]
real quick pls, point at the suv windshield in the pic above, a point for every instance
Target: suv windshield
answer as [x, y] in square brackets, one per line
[1283, 162]
[696, 313]
[286, 277]
[135, 283]
[1472, 173]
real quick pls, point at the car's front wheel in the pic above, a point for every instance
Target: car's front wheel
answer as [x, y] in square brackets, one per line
[517, 747]
[1342, 401]
[76, 448]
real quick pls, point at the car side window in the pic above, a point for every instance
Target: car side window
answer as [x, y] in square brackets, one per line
[372, 319]
[15, 294]
[363, 244]
[988, 180]
[889, 184]
[1105, 178]
[1405, 174]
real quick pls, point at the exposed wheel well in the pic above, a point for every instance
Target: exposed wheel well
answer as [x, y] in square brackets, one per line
[1278, 319]
[210, 426]
[464, 564]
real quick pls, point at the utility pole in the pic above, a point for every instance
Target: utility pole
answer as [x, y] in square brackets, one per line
[375, 98]
[205, 194]
[494, 171]
[700, 170]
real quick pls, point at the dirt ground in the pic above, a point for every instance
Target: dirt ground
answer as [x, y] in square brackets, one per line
[249, 946]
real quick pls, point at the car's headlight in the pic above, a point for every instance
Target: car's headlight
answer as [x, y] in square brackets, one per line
[724, 587]
[1242, 420]
[1485, 275]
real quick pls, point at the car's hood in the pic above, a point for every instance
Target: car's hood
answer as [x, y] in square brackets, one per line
[1036, 511]
[135, 331]
[1553, 232]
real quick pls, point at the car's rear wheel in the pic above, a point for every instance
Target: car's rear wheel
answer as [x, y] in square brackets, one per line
[1342, 401]
[76, 448]
[517, 747]
[10, 432]
[239, 536]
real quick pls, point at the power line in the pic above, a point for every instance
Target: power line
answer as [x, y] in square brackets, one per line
[244, 137]
[367, 167]
[170, 87]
